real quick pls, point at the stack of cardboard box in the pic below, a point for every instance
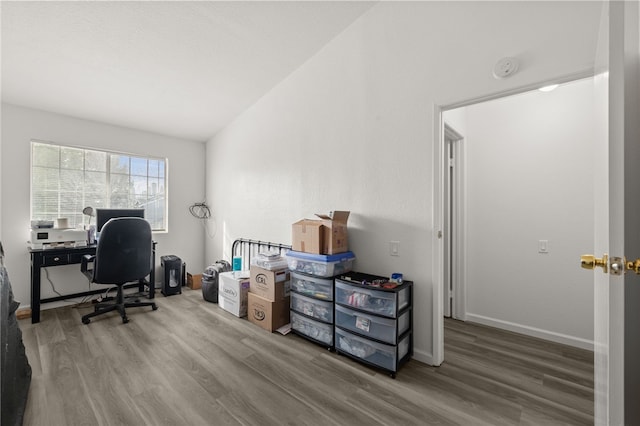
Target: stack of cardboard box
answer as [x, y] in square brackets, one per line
[268, 304]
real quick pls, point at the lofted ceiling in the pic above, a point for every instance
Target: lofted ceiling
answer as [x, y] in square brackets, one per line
[178, 68]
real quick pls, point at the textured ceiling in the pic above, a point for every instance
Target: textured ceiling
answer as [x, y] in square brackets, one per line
[184, 69]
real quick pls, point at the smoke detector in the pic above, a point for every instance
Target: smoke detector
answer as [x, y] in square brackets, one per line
[505, 67]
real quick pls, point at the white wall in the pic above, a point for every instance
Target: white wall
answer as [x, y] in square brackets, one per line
[529, 174]
[352, 129]
[185, 237]
[456, 119]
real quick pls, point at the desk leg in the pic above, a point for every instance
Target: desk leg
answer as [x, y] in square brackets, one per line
[152, 275]
[152, 284]
[36, 264]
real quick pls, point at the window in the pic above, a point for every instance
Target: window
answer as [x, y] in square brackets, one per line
[65, 180]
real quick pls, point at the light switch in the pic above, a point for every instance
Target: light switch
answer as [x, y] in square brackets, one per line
[543, 246]
[394, 248]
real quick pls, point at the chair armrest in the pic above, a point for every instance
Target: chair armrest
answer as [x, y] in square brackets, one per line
[84, 265]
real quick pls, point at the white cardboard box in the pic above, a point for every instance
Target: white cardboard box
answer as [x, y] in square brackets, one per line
[233, 290]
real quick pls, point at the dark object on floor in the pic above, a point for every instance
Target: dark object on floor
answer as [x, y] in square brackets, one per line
[173, 274]
[210, 280]
[16, 371]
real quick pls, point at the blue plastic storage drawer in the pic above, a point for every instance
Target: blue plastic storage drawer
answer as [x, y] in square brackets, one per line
[320, 265]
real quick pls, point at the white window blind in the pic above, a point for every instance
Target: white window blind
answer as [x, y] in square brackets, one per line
[66, 179]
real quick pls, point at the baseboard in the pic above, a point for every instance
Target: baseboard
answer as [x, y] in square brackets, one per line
[532, 331]
[422, 356]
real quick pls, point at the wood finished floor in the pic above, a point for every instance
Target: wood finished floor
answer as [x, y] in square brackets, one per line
[191, 363]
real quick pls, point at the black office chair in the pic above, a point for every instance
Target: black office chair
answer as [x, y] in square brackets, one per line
[123, 255]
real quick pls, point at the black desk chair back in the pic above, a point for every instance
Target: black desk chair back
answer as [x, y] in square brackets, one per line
[123, 255]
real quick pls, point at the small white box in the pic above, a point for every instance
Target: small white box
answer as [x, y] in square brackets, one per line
[233, 290]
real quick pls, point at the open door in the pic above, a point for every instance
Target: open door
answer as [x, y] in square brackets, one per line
[454, 302]
[617, 225]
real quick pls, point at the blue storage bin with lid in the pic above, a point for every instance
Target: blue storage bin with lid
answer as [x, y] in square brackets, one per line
[320, 265]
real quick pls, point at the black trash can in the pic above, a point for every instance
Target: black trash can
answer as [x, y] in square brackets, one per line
[173, 275]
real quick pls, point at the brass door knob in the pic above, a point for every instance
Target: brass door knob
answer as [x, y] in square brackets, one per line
[618, 265]
[633, 265]
[589, 261]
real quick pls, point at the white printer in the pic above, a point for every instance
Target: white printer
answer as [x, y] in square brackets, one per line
[43, 238]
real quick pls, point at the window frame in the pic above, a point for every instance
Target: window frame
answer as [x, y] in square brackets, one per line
[109, 173]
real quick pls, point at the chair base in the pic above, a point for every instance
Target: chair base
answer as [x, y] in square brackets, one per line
[119, 305]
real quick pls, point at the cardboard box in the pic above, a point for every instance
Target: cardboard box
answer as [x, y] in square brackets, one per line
[194, 282]
[334, 239]
[328, 235]
[271, 285]
[307, 236]
[233, 291]
[268, 314]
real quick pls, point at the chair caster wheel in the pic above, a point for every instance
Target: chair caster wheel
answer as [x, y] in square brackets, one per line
[154, 307]
[125, 320]
[86, 320]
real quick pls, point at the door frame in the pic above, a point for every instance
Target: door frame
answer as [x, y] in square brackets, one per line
[455, 226]
[439, 200]
[616, 398]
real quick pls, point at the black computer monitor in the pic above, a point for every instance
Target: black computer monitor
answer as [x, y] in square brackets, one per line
[103, 215]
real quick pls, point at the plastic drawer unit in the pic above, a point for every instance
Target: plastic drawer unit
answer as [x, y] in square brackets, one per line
[374, 327]
[316, 331]
[387, 357]
[312, 308]
[317, 309]
[312, 286]
[320, 265]
[378, 301]
[373, 320]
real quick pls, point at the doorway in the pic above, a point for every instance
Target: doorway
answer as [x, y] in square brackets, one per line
[453, 302]
[515, 210]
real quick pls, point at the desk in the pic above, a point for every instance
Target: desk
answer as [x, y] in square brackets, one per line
[41, 258]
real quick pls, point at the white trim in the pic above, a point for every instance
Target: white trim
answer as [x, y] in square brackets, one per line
[423, 356]
[437, 320]
[587, 73]
[451, 133]
[532, 331]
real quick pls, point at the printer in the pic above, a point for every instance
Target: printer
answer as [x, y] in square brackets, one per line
[43, 238]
